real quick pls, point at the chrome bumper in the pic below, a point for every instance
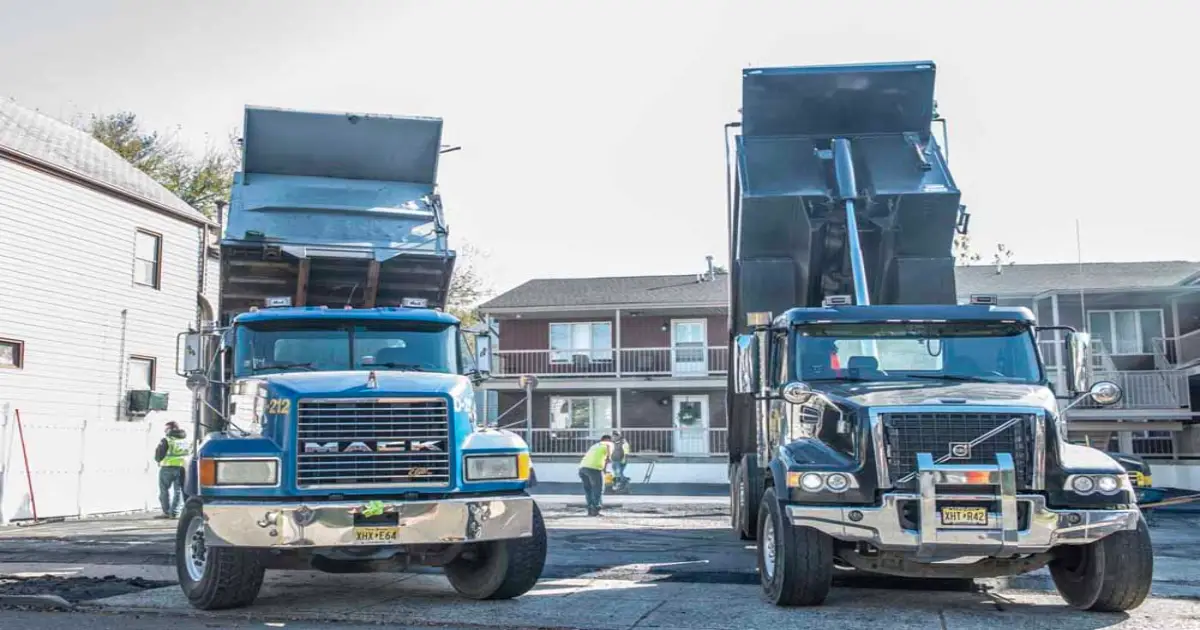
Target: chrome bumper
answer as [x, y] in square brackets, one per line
[298, 525]
[1002, 536]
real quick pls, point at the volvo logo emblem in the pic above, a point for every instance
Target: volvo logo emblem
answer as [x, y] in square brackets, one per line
[960, 450]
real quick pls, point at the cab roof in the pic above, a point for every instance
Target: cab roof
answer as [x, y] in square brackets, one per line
[906, 313]
[383, 313]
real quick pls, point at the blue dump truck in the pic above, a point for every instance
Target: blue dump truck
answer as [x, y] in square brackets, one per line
[876, 424]
[336, 399]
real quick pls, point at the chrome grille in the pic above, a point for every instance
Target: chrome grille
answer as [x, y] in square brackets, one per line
[910, 433]
[343, 443]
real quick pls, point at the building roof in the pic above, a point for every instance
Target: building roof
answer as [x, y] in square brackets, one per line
[66, 149]
[686, 290]
[1021, 279]
[631, 290]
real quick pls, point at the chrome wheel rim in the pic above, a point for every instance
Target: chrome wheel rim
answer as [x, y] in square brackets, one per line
[768, 548]
[194, 550]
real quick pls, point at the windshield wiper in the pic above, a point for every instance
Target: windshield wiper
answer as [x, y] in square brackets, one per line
[282, 366]
[412, 367]
[957, 377]
[853, 379]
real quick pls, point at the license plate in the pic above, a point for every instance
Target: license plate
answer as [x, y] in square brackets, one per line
[376, 534]
[977, 516]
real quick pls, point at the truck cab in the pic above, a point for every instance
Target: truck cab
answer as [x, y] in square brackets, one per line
[877, 425]
[337, 426]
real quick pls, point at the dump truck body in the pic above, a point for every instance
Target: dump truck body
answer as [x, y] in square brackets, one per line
[875, 424]
[342, 431]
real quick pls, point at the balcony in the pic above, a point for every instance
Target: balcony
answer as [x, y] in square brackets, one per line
[666, 442]
[1145, 390]
[665, 362]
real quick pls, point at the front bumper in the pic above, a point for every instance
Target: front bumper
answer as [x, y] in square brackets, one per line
[1004, 535]
[301, 525]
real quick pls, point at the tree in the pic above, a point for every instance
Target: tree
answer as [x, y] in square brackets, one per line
[200, 181]
[964, 254]
[467, 287]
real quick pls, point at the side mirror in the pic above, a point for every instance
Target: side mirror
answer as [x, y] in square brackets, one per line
[1106, 393]
[746, 364]
[190, 353]
[1078, 362]
[797, 392]
[483, 353]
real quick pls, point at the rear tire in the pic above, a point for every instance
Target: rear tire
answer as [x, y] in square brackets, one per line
[795, 564]
[1113, 574]
[213, 578]
[503, 569]
[746, 497]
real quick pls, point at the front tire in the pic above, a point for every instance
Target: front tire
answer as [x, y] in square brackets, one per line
[213, 578]
[1113, 574]
[501, 569]
[795, 564]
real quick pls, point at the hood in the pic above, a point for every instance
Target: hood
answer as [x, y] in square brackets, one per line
[354, 383]
[882, 394]
[178, 434]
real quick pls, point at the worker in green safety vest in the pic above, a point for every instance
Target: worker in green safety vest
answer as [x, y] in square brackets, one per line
[172, 456]
[591, 472]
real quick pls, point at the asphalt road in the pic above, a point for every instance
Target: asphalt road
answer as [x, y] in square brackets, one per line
[669, 563]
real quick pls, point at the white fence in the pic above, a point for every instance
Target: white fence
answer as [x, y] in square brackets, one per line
[93, 467]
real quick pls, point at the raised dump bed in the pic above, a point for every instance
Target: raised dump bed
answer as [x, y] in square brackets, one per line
[789, 216]
[335, 210]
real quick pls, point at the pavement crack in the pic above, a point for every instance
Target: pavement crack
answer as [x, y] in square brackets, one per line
[648, 613]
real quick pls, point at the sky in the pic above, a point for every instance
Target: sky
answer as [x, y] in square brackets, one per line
[591, 132]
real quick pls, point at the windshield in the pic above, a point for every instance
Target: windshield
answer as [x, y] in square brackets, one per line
[297, 346]
[991, 352]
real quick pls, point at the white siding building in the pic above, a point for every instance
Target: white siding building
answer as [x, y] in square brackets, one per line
[100, 269]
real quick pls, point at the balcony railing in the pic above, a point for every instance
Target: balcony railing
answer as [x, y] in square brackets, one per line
[665, 442]
[681, 362]
[1149, 389]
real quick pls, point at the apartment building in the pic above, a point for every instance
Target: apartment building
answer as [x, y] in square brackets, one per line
[647, 355]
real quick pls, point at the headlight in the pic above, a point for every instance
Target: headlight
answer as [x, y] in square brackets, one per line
[1104, 484]
[239, 472]
[815, 481]
[1083, 484]
[1107, 484]
[811, 482]
[497, 467]
[837, 482]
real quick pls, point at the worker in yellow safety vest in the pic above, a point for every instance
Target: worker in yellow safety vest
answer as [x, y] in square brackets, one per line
[172, 455]
[591, 472]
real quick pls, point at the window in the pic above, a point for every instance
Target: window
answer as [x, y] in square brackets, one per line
[979, 351]
[1152, 442]
[592, 413]
[1127, 331]
[587, 339]
[12, 354]
[141, 373]
[146, 257]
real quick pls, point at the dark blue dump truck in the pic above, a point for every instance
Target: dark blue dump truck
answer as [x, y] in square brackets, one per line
[875, 424]
[336, 397]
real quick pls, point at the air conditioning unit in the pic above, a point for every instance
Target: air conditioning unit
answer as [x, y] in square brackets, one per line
[143, 401]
